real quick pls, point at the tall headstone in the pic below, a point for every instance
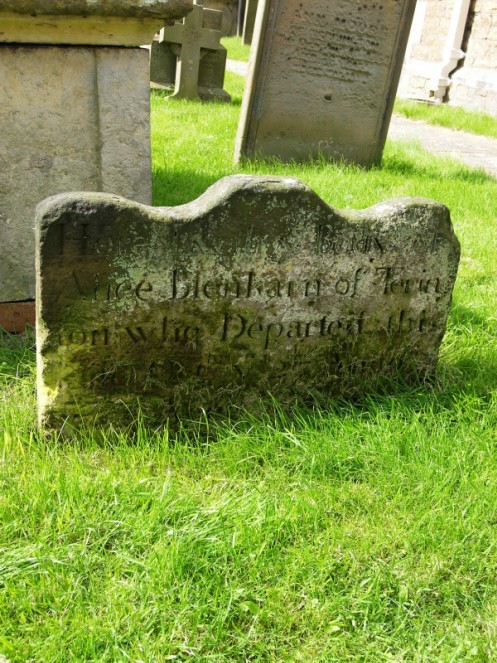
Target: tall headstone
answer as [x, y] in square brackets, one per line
[256, 287]
[74, 111]
[249, 20]
[322, 79]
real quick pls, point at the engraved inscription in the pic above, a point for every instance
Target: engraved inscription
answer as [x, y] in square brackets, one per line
[348, 35]
[295, 298]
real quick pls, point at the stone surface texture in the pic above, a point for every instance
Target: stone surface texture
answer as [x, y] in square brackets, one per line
[117, 23]
[16, 316]
[72, 119]
[230, 14]
[256, 287]
[126, 8]
[322, 79]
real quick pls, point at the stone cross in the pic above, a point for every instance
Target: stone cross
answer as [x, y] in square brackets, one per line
[192, 36]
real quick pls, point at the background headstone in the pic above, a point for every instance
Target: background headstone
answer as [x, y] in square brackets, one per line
[162, 64]
[249, 20]
[164, 56]
[230, 14]
[200, 58]
[256, 287]
[322, 79]
[74, 114]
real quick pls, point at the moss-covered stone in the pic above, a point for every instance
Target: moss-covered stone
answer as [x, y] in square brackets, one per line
[256, 287]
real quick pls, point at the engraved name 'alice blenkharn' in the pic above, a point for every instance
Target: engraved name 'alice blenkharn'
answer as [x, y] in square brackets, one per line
[256, 287]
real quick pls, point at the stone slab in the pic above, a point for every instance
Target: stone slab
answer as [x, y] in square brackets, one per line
[193, 36]
[169, 9]
[162, 64]
[211, 66]
[256, 287]
[72, 119]
[322, 79]
[116, 23]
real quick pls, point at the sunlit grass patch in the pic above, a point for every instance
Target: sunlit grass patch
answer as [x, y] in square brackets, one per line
[357, 530]
[452, 117]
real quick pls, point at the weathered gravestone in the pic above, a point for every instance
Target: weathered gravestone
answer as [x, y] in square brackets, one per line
[322, 79]
[74, 111]
[249, 20]
[188, 56]
[256, 287]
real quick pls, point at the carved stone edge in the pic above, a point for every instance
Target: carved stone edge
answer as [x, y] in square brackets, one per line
[94, 25]
[165, 9]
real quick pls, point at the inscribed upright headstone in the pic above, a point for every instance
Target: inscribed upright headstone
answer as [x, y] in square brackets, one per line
[322, 79]
[258, 287]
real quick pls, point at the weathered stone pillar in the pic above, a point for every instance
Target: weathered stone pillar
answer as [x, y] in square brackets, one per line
[74, 111]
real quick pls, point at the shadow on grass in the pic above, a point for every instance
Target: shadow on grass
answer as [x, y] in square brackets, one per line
[463, 316]
[17, 354]
[399, 165]
[174, 187]
[236, 99]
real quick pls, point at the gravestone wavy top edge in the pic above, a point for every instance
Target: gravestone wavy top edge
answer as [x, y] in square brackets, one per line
[258, 286]
[400, 210]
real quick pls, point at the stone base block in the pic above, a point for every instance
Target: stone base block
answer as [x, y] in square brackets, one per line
[15, 316]
[73, 119]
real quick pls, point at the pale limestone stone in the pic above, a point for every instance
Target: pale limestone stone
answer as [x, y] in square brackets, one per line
[188, 56]
[115, 23]
[322, 79]
[72, 119]
[258, 287]
[169, 9]
[451, 56]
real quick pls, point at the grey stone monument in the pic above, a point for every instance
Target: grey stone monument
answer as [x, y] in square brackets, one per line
[322, 79]
[257, 287]
[74, 111]
[189, 56]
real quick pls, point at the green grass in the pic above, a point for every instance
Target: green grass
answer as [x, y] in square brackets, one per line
[236, 50]
[350, 532]
[448, 116]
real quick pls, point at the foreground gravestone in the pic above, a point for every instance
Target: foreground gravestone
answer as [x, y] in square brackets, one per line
[74, 111]
[322, 79]
[256, 287]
